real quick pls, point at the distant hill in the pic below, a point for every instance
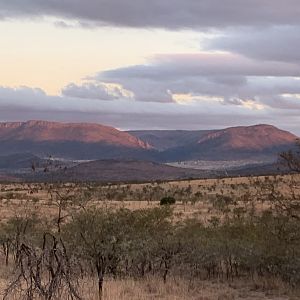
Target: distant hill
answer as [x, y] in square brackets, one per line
[20, 161]
[141, 171]
[123, 171]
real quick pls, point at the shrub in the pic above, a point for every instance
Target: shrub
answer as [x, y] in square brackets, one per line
[167, 201]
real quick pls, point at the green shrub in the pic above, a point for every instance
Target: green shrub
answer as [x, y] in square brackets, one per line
[167, 201]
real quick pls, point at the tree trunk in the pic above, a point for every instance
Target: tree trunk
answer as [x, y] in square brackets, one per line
[100, 272]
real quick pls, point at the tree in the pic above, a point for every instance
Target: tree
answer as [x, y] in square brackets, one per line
[291, 158]
[98, 238]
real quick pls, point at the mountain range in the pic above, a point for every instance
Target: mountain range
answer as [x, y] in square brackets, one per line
[85, 141]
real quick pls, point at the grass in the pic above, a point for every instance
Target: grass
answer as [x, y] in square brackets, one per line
[21, 198]
[153, 288]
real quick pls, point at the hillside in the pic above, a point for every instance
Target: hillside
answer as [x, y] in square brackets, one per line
[256, 138]
[20, 161]
[69, 140]
[125, 171]
[42, 131]
[252, 142]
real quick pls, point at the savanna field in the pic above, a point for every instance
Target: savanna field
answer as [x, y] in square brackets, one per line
[231, 238]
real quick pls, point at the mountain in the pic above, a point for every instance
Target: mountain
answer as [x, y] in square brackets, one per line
[258, 142]
[43, 131]
[251, 142]
[256, 138]
[125, 156]
[69, 140]
[84, 141]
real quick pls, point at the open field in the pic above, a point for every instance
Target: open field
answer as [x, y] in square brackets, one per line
[210, 202]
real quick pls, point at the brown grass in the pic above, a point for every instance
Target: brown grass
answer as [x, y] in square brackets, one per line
[153, 288]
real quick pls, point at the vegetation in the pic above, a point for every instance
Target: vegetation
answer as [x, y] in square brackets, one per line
[292, 158]
[167, 201]
[248, 231]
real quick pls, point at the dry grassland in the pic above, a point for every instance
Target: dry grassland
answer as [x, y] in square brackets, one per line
[195, 198]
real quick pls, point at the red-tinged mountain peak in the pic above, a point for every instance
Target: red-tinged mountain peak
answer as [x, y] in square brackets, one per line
[255, 137]
[41, 131]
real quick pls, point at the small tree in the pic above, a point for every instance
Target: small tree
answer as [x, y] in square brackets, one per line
[291, 158]
[98, 238]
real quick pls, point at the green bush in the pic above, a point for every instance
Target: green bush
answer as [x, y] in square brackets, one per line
[167, 201]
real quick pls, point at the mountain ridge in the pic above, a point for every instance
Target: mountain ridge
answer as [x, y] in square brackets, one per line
[42, 131]
[91, 141]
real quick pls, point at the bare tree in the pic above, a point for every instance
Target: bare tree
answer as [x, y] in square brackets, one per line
[291, 158]
[45, 271]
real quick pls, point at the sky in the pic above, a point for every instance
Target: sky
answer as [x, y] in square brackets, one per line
[139, 64]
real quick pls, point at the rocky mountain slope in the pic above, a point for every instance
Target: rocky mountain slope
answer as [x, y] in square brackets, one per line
[251, 142]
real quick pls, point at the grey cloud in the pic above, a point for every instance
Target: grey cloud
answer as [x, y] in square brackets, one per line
[234, 78]
[232, 81]
[15, 104]
[92, 90]
[278, 43]
[140, 90]
[168, 67]
[163, 14]
[22, 104]
[62, 24]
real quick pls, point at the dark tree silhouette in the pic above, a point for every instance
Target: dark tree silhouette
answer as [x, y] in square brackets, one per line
[291, 158]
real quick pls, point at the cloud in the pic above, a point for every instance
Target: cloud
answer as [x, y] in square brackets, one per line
[191, 91]
[161, 14]
[26, 103]
[235, 79]
[169, 66]
[278, 43]
[99, 91]
[140, 90]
